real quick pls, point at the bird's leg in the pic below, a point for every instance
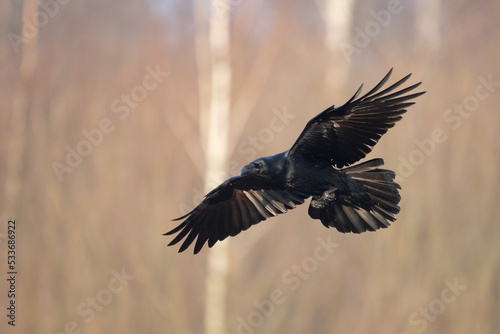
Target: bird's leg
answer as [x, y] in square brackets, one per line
[327, 197]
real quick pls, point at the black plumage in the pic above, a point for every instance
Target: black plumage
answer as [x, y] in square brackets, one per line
[354, 199]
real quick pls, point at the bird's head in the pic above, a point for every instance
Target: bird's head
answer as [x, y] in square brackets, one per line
[256, 167]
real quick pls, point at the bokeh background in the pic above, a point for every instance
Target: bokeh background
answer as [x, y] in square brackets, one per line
[90, 254]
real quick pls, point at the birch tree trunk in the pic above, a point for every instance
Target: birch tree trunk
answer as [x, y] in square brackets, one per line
[214, 116]
[427, 20]
[17, 133]
[337, 16]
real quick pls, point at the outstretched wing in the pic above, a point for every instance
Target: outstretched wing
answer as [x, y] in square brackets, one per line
[348, 133]
[232, 207]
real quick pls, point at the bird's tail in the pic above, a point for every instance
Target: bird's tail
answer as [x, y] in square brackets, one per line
[368, 201]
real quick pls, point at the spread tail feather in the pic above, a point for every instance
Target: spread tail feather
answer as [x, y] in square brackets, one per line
[368, 203]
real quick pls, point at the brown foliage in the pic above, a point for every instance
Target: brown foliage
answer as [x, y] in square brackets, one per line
[109, 212]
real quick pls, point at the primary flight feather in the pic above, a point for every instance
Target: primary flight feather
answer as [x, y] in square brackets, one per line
[354, 199]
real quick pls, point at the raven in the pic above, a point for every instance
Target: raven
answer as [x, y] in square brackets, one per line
[358, 198]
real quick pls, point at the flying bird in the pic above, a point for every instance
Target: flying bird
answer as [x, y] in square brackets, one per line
[350, 198]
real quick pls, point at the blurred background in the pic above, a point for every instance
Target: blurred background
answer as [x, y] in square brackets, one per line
[117, 116]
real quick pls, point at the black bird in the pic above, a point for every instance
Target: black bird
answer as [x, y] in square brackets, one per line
[354, 199]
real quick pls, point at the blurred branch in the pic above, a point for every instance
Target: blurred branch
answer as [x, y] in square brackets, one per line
[180, 124]
[17, 128]
[29, 56]
[258, 72]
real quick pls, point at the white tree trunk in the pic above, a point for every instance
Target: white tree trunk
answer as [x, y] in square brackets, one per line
[338, 16]
[215, 134]
[427, 20]
[17, 134]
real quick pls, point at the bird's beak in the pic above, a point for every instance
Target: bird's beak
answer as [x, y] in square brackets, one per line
[247, 170]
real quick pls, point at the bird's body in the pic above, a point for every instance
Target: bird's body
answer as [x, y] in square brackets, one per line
[351, 199]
